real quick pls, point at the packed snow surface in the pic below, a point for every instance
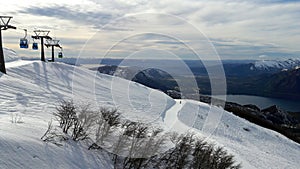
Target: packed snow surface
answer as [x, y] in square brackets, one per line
[9, 55]
[31, 90]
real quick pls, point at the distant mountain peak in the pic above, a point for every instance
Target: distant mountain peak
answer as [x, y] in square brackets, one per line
[276, 64]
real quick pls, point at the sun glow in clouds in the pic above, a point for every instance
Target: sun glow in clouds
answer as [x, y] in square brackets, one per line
[238, 29]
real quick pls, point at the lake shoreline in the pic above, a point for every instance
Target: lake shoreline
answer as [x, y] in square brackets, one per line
[261, 102]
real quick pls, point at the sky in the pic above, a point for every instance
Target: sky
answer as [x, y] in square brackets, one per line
[190, 29]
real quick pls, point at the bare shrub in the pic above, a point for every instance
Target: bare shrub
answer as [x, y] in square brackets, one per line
[83, 122]
[139, 143]
[144, 142]
[16, 118]
[136, 132]
[66, 115]
[178, 157]
[106, 121]
[191, 152]
[53, 135]
[75, 120]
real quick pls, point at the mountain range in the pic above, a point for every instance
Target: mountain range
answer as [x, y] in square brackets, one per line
[276, 79]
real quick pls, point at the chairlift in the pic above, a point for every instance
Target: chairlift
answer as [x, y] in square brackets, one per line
[24, 41]
[60, 55]
[35, 46]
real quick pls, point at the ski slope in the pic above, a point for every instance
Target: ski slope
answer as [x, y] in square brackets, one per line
[256, 148]
[31, 90]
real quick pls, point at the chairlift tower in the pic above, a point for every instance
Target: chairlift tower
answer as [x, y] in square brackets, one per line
[42, 34]
[52, 43]
[4, 25]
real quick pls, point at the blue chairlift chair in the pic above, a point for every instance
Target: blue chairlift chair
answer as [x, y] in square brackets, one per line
[60, 55]
[35, 46]
[23, 43]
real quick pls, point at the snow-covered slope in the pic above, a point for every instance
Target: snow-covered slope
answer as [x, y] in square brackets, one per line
[31, 89]
[10, 55]
[276, 64]
[257, 147]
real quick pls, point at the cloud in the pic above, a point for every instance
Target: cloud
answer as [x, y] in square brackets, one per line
[249, 50]
[238, 28]
[96, 18]
[263, 56]
[168, 42]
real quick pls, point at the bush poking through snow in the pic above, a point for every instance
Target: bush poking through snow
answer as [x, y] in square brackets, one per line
[78, 122]
[207, 156]
[75, 120]
[66, 115]
[53, 135]
[195, 153]
[180, 155]
[16, 118]
[143, 141]
[83, 123]
[137, 145]
[105, 122]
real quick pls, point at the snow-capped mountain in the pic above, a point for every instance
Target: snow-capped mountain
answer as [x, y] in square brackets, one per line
[270, 65]
[31, 90]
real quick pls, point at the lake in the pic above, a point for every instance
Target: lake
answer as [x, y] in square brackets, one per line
[263, 102]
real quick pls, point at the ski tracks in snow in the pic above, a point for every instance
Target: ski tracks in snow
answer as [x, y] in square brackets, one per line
[171, 119]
